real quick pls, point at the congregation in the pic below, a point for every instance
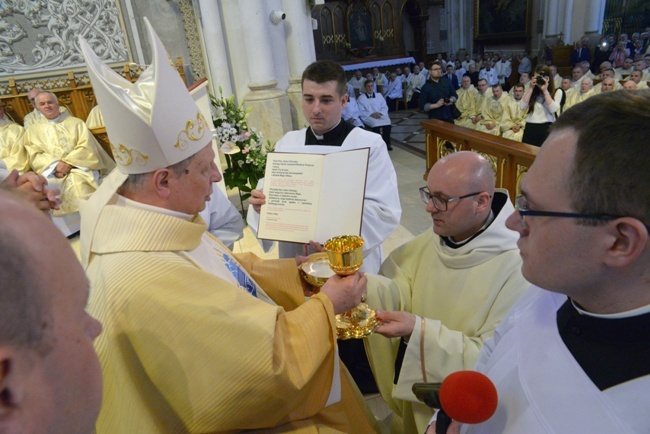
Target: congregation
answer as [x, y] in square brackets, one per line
[485, 94]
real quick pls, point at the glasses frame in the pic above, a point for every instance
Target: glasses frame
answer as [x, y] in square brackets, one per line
[426, 194]
[527, 212]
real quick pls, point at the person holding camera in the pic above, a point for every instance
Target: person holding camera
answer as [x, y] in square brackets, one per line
[438, 95]
[543, 101]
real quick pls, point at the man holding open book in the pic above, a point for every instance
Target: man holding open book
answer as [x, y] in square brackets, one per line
[324, 95]
[323, 98]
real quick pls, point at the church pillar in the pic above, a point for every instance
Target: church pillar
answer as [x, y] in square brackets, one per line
[215, 46]
[568, 17]
[301, 53]
[552, 9]
[271, 114]
[601, 18]
[593, 23]
[551, 31]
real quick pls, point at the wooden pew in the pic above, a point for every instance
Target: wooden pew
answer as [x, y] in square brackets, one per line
[510, 160]
[74, 91]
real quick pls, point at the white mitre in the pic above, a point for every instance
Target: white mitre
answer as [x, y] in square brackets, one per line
[151, 124]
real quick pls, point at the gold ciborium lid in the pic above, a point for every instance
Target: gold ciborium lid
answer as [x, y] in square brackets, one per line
[345, 254]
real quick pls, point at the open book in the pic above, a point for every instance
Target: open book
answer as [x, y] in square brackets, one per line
[313, 196]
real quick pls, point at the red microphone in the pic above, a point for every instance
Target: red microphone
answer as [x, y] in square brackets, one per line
[468, 397]
[464, 396]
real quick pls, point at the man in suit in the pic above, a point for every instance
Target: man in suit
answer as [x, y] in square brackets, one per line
[581, 52]
[452, 77]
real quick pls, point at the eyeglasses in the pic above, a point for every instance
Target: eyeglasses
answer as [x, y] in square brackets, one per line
[523, 207]
[439, 203]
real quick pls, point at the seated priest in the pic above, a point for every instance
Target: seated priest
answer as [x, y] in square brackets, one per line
[62, 149]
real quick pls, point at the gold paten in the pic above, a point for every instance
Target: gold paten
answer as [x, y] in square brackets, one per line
[316, 270]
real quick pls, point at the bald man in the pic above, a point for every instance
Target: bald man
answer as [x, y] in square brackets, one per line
[34, 116]
[607, 85]
[456, 282]
[630, 85]
[50, 381]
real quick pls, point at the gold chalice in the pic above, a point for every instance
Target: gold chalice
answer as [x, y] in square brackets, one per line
[345, 254]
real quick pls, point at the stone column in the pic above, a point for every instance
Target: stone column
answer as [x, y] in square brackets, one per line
[593, 22]
[552, 15]
[271, 114]
[301, 53]
[551, 34]
[215, 46]
[601, 18]
[568, 17]
[593, 14]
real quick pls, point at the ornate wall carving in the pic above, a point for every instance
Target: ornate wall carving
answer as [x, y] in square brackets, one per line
[193, 39]
[41, 35]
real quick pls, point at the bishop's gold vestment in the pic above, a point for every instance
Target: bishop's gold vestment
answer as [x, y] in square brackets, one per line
[186, 351]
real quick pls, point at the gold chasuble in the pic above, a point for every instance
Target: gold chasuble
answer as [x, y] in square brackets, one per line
[185, 350]
[12, 146]
[68, 140]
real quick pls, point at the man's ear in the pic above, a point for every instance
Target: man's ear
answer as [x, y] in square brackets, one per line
[483, 201]
[160, 181]
[344, 99]
[629, 240]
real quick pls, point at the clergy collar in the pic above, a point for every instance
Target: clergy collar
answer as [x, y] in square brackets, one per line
[55, 120]
[452, 243]
[334, 137]
[627, 314]
[126, 202]
[370, 95]
[498, 201]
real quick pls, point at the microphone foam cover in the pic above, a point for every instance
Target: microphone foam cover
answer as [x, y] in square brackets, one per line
[468, 397]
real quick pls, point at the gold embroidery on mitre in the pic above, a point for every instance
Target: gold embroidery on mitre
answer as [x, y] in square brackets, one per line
[124, 156]
[193, 132]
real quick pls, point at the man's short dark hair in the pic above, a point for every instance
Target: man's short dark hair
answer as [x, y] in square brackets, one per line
[24, 309]
[519, 85]
[323, 71]
[610, 173]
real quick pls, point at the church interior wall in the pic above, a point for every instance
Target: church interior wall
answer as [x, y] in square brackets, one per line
[233, 27]
[166, 19]
[434, 25]
[277, 36]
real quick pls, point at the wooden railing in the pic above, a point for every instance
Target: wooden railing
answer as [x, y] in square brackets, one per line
[510, 160]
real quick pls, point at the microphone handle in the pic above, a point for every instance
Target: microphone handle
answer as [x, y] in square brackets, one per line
[442, 422]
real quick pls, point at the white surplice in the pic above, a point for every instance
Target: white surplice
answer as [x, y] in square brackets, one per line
[543, 389]
[381, 208]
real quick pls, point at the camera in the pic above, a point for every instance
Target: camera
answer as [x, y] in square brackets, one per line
[540, 80]
[447, 100]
